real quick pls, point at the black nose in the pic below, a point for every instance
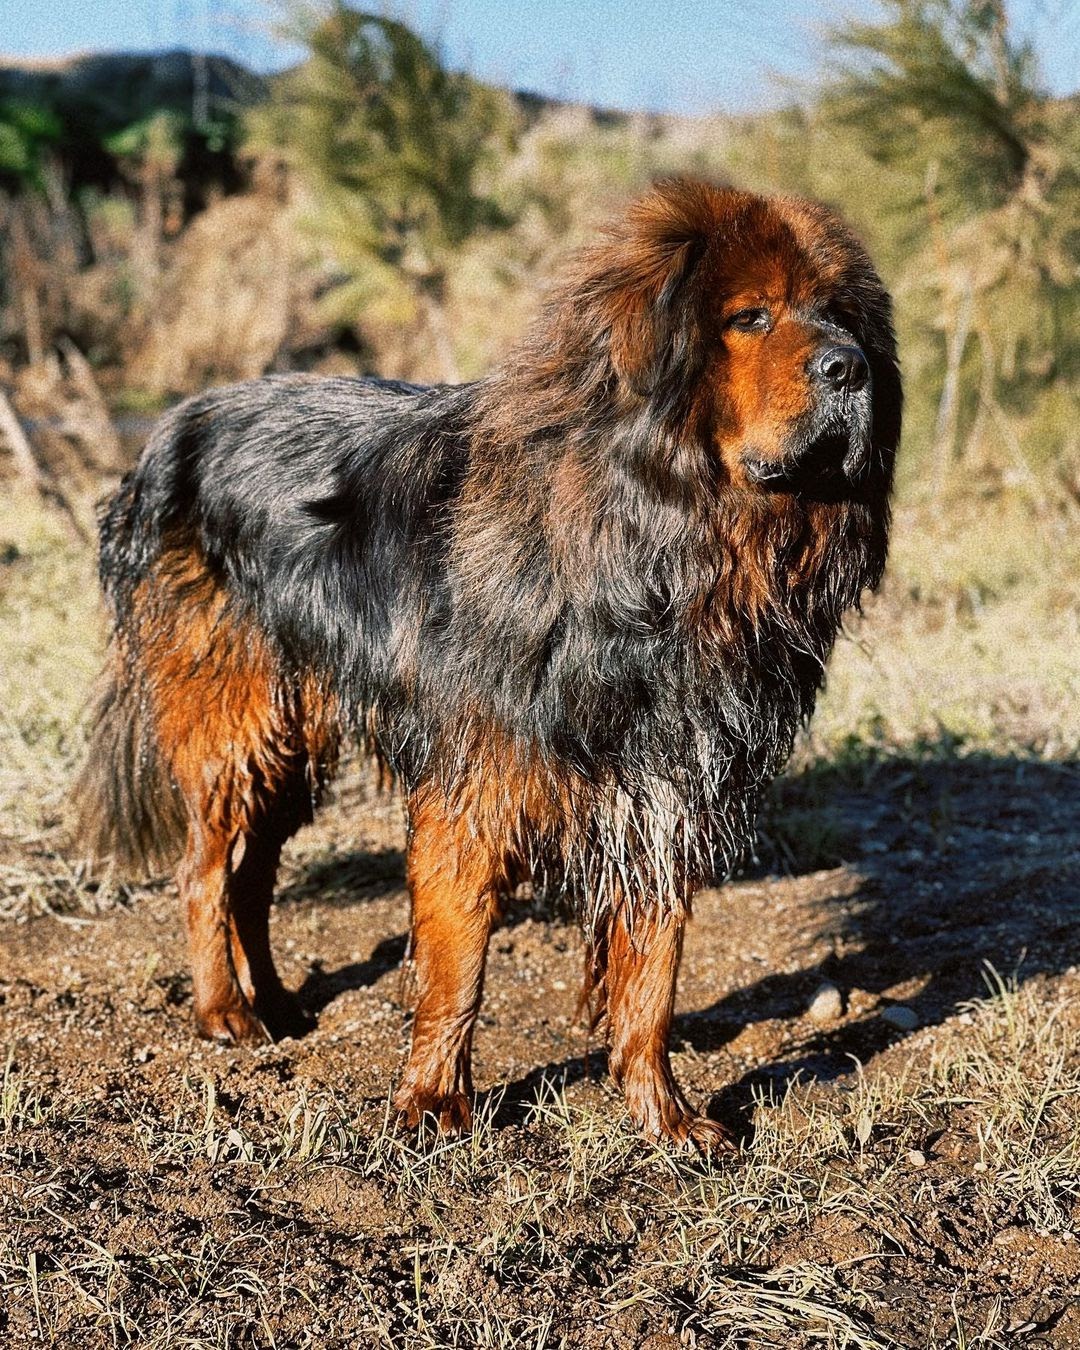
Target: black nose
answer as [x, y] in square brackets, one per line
[843, 368]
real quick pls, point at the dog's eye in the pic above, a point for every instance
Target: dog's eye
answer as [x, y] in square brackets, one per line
[839, 318]
[751, 321]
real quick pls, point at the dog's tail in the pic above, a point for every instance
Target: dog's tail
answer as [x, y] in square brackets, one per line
[125, 810]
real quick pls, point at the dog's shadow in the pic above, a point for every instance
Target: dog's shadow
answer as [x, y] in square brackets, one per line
[321, 986]
[963, 862]
[354, 878]
[348, 878]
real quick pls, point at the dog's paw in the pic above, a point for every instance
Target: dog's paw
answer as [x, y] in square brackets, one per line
[231, 1024]
[705, 1136]
[450, 1112]
[666, 1117]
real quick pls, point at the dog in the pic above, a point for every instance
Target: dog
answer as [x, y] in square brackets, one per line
[577, 609]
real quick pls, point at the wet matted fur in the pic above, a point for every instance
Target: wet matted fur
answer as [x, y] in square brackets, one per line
[579, 609]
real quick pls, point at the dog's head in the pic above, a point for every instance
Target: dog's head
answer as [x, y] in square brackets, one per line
[760, 323]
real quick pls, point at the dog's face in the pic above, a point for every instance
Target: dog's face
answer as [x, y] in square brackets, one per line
[794, 389]
[763, 321]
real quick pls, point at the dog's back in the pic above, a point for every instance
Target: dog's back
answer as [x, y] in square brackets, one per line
[247, 474]
[222, 558]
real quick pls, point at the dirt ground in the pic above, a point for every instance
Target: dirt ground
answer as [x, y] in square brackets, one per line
[139, 1180]
[885, 1009]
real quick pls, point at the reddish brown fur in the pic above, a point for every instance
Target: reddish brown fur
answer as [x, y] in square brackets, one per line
[634, 970]
[247, 760]
[455, 879]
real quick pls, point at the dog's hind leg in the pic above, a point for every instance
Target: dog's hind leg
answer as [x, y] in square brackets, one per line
[635, 969]
[246, 750]
[224, 1010]
[454, 877]
[227, 884]
[251, 892]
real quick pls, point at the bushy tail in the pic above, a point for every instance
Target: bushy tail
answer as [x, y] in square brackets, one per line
[126, 810]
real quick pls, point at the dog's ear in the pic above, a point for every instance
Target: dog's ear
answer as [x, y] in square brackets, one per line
[644, 282]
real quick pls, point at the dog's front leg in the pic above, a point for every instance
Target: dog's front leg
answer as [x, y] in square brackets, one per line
[452, 880]
[639, 966]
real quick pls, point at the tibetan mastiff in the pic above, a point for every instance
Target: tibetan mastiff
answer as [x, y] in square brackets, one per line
[577, 609]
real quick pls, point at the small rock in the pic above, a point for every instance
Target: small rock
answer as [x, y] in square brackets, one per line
[904, 1019]
[916, 1157]
[826, 1005]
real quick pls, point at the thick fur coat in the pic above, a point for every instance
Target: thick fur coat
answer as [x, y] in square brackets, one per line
[578, 609]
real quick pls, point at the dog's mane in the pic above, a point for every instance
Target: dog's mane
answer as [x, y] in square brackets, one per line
[673, 628]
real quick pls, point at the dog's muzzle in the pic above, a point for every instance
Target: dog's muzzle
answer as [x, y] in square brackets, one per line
[835, 438]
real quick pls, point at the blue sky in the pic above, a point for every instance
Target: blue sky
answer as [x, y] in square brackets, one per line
[661, 54]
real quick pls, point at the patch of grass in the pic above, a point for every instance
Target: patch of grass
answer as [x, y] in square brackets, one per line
[570, 1212]
[23, 1104]
[311, 1130]
[50, 622]
[971, 639]
[1014, 1072]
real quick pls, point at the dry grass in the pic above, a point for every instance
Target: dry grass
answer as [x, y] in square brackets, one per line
[569, 1204]
[50, 615]
[973, 639]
